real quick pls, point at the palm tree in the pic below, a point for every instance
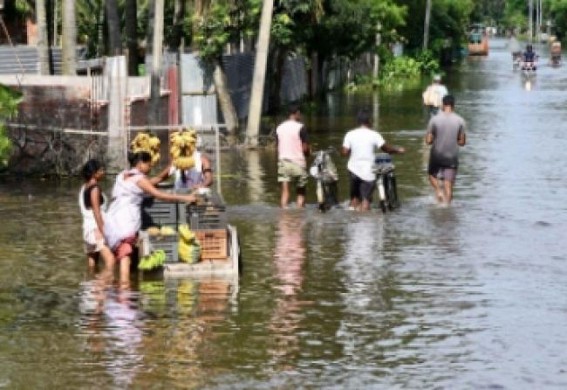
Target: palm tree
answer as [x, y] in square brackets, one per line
[131, 32]
[69, 38]
[42, 38]
[113, 23]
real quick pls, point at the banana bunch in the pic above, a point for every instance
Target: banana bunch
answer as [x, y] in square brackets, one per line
[189, 249]
[147, 142]
[182, 145]
[153, 260]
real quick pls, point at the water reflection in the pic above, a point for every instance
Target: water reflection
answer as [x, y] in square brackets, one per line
[255, 178]
[289, 258]
[124, 329]
[444, 228]
[363, 256]
[113, 325]
[528, 82]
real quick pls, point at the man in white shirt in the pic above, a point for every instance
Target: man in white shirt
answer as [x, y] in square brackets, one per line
[433, 95]
[360, 145]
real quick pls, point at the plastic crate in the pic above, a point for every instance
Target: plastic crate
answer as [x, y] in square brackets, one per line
[168, 243]
[214, 243]
[158, 213]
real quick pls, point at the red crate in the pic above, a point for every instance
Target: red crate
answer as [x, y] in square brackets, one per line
[214, 243]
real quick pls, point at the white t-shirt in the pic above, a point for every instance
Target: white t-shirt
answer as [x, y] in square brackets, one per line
[362, 143]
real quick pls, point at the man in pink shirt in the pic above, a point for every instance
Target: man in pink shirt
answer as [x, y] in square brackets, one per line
[293, 148]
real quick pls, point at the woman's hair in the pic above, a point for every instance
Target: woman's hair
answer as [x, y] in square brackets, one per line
[135, 158]
[90, 168]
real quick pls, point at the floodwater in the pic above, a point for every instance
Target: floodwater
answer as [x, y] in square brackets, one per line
[471, 296]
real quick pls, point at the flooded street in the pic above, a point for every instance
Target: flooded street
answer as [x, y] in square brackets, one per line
[471, 296]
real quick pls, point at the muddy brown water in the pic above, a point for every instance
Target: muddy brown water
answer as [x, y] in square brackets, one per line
[466, 297]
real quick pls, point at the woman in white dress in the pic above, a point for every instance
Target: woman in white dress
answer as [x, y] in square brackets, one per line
[124, 214]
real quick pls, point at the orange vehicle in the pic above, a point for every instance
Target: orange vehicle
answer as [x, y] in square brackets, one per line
[477, 41]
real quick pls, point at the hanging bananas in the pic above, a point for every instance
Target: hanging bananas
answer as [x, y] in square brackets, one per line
[182, 145]
[147, 142]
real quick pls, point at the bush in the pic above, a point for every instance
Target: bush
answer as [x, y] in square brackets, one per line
[9, 100]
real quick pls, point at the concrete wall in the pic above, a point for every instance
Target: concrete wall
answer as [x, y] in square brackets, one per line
[60, 125]
[64, 120]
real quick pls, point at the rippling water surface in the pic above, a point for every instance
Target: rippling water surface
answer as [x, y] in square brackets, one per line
[470, 296]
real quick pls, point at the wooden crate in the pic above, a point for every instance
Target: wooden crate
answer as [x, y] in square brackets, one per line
[214, 243]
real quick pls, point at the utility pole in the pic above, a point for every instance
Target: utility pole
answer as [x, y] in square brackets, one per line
[426, 25]
[257, 95]
[376, 70]
[530, 20]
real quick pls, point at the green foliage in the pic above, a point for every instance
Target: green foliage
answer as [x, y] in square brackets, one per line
[401, 67]
[213, 31]
[224, 23]
[427, 62]
[398, 72]
[9, 100]
[558, 10]
[25, 7]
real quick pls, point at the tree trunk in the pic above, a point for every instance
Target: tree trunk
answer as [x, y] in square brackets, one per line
[177, 43]
[426, 25]
[225, 100]
[131, 25]
[154, 112]
[258, 82]
[69, 52]
[150, 29]
[42, 38]
[276, 78]
[113, 25]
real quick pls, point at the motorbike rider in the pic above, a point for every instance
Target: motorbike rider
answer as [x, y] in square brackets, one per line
[529, 58]
[555, 52]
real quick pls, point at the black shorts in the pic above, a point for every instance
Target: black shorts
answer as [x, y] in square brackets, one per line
[441, 172]
[361, 189]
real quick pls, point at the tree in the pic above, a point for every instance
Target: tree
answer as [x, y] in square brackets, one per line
[69, 38]
[43, 37]
[113, 24]
[131, 33]
[213, 29]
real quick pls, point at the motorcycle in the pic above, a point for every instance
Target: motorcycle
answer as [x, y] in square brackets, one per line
[529, 69]
[386, 182]
[324, 171]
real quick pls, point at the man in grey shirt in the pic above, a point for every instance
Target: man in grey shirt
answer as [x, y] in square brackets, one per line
[445, 132]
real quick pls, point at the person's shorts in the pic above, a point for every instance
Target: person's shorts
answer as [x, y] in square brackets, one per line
[125, 248]
[289, 171]
[361, 189]
[93, 241]
[442, 173]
